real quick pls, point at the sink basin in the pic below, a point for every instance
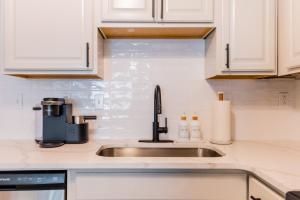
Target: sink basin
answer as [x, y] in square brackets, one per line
[157, 152]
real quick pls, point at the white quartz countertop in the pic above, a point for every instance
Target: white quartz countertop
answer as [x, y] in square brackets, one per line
[278, 163]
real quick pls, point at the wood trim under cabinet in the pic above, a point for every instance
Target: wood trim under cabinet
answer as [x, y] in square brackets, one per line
[56, 76]
[156, 33]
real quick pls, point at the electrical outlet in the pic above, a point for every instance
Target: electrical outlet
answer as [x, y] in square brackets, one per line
[99, 101]
[20, 101]
[283, 98]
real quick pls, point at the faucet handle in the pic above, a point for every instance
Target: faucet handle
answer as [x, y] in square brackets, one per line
[166, 126]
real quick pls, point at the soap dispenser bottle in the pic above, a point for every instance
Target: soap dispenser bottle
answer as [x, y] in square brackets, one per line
[183, 129]
[195, 129]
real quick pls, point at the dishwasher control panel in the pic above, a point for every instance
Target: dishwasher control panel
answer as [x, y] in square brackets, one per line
[16, 178]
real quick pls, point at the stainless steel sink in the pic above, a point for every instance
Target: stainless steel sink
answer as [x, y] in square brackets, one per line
[157, 152]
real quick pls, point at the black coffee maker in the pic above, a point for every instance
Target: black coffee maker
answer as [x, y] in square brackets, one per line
[60, 127]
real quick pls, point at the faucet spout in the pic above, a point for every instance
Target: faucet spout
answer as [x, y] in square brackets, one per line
[157, 103]
[157, 130]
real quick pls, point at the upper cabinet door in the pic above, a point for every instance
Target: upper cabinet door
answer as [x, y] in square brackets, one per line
[128, 10]
[250, 36]
[289, 37]
[187, 10]
[47, 34]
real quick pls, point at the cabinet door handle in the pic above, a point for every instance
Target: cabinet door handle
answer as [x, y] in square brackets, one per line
[253, 198]
[153, 8]
[162, 9]
[87, 54]
[227, 56]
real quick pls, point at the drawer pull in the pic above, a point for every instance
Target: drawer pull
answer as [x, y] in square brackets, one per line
[253, 198]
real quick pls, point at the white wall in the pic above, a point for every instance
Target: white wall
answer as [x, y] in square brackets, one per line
[124, 101]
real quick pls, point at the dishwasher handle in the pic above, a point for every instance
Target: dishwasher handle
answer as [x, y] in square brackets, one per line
[59, 186]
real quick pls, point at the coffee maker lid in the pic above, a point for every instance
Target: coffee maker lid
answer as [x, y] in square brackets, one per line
[53, 101]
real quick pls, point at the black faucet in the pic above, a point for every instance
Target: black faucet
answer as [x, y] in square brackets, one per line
[155, 126]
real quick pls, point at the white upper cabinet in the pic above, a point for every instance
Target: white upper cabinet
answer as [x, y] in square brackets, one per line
[48, 35]
[157, 10]
[187, 10]
[289, 37]
[128, 10]
[250, 42]
[244, 43]
[257, 190]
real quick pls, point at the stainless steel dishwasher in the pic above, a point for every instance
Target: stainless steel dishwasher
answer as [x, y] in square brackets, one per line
[33, 185]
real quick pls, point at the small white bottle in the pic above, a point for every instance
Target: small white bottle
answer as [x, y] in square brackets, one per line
[195, 129]
[183, 129]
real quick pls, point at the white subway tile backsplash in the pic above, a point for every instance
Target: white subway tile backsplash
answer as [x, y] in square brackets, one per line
[52, 84]
[123, 102]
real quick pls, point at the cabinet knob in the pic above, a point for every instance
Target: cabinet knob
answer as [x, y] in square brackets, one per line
[253, 198]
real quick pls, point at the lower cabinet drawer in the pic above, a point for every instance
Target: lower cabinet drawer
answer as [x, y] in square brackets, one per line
[259, 191]
[160, 186]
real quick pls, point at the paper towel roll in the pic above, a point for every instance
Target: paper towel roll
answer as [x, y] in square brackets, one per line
[221, 124]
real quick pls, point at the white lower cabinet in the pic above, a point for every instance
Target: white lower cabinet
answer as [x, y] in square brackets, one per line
[157, 186]
[259, 191]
